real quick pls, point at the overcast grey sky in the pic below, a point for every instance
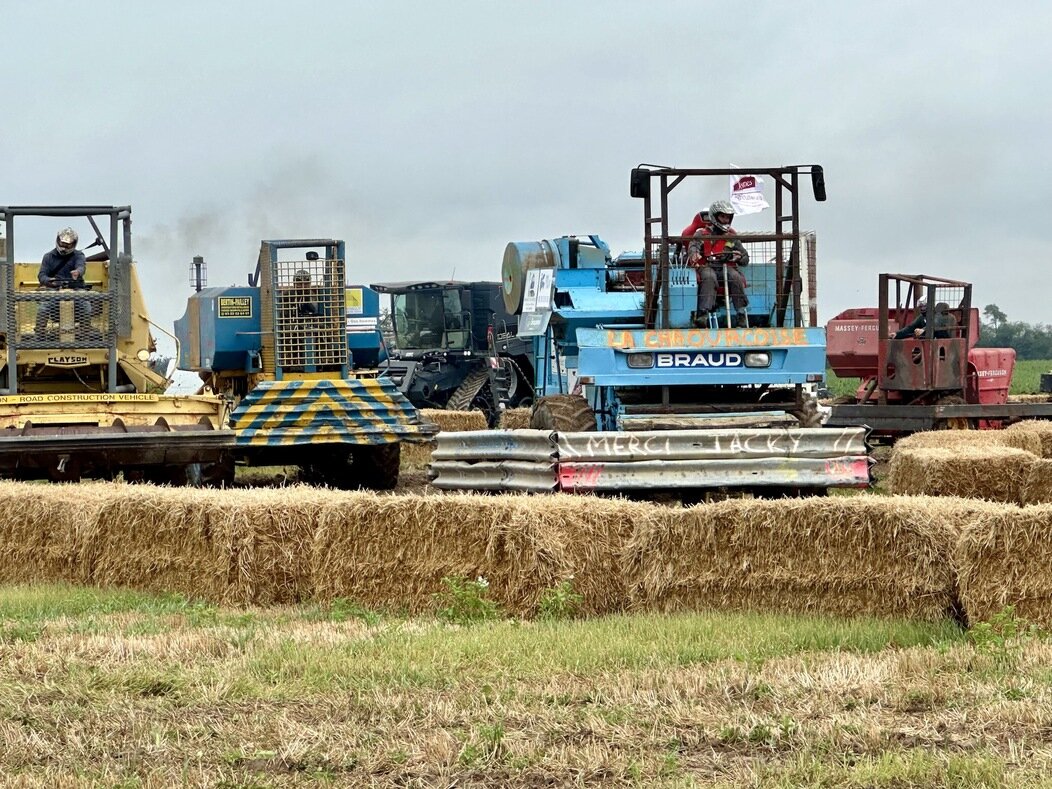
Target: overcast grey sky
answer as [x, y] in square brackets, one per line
[428, 135]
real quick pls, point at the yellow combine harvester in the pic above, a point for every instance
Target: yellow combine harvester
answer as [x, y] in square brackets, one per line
[78, 397]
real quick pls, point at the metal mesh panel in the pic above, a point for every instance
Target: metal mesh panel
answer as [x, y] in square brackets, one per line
[120, 287]
[309, 319]
[62, 319]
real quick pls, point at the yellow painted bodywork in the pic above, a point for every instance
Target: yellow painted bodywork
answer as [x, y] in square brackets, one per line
[60, 386]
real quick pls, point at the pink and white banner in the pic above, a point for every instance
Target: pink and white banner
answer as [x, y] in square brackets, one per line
[747, 194]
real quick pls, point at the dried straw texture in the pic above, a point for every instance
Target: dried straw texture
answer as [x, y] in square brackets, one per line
[882, 556]
[45, 528]
[516, 419]
[993, 473]
[417, 456]
[956, 439]
[228, 546]
[1003, 559]
[390, 552]
[1038, 486]
[1038, 430]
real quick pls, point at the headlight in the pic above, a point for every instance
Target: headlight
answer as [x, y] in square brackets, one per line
[640, 361]
[144, 355]
[758, 359]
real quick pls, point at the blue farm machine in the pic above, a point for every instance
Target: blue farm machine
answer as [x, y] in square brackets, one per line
[636, 393]
[296, 352]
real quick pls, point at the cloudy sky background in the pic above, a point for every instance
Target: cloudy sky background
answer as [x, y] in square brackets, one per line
[428, 135]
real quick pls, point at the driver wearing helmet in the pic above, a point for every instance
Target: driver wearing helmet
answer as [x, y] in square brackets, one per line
[715, 255]
[63, 263]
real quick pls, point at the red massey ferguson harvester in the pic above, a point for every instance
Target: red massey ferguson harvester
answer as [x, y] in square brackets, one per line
[932, 376]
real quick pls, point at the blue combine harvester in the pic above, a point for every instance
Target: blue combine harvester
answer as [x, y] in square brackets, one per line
[641, 389]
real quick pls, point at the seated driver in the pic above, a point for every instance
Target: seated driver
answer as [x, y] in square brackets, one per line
[63, 265]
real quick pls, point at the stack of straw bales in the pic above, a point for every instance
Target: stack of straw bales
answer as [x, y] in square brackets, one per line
[417, 456]
[841, 555]
[1003, 559]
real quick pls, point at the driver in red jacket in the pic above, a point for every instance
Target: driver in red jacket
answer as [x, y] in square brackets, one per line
[714, 254]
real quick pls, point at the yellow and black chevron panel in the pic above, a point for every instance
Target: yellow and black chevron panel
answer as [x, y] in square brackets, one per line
[291, 413]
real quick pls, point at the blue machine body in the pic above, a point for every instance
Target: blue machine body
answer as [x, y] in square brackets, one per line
[595, 342]
[221, 330]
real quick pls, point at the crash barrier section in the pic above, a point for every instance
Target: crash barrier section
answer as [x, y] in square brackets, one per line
[495, 460]
[654, 460]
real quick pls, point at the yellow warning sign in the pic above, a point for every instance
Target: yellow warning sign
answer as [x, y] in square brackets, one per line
[355, 305]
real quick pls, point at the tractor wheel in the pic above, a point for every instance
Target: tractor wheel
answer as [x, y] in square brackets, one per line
[957, 422]
[563, 413]
[375, 466]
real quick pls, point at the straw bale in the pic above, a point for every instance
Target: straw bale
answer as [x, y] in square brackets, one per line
[1039, 430]
[392, 552]
[515, 419]
[1038, 486]
[882, 556]
[993, 473]
[45, 528]
[954, 439]
[1003, 559]
[1030, 398]
[227, 546]
[417, 456]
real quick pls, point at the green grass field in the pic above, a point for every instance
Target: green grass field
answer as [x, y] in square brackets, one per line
[120, 688]
[1026, 379]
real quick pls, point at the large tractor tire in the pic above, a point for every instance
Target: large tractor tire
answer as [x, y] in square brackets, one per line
[376, 466]
[563, 413]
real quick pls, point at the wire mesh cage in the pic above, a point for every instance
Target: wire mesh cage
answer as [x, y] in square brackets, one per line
[63, 319]
[310, 310]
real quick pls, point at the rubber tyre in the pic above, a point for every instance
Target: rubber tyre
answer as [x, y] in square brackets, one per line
[564, 414]
[376, 466]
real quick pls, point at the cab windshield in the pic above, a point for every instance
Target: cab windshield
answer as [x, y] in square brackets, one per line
[431, 319]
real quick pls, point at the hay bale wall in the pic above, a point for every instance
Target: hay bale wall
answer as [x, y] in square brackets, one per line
[1003, 559]
[417, 456]
[994, 473]
[842, 555]
[885, 556]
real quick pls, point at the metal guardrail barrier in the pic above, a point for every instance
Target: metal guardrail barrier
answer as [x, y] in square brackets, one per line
[681, 459]
[520, 460]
